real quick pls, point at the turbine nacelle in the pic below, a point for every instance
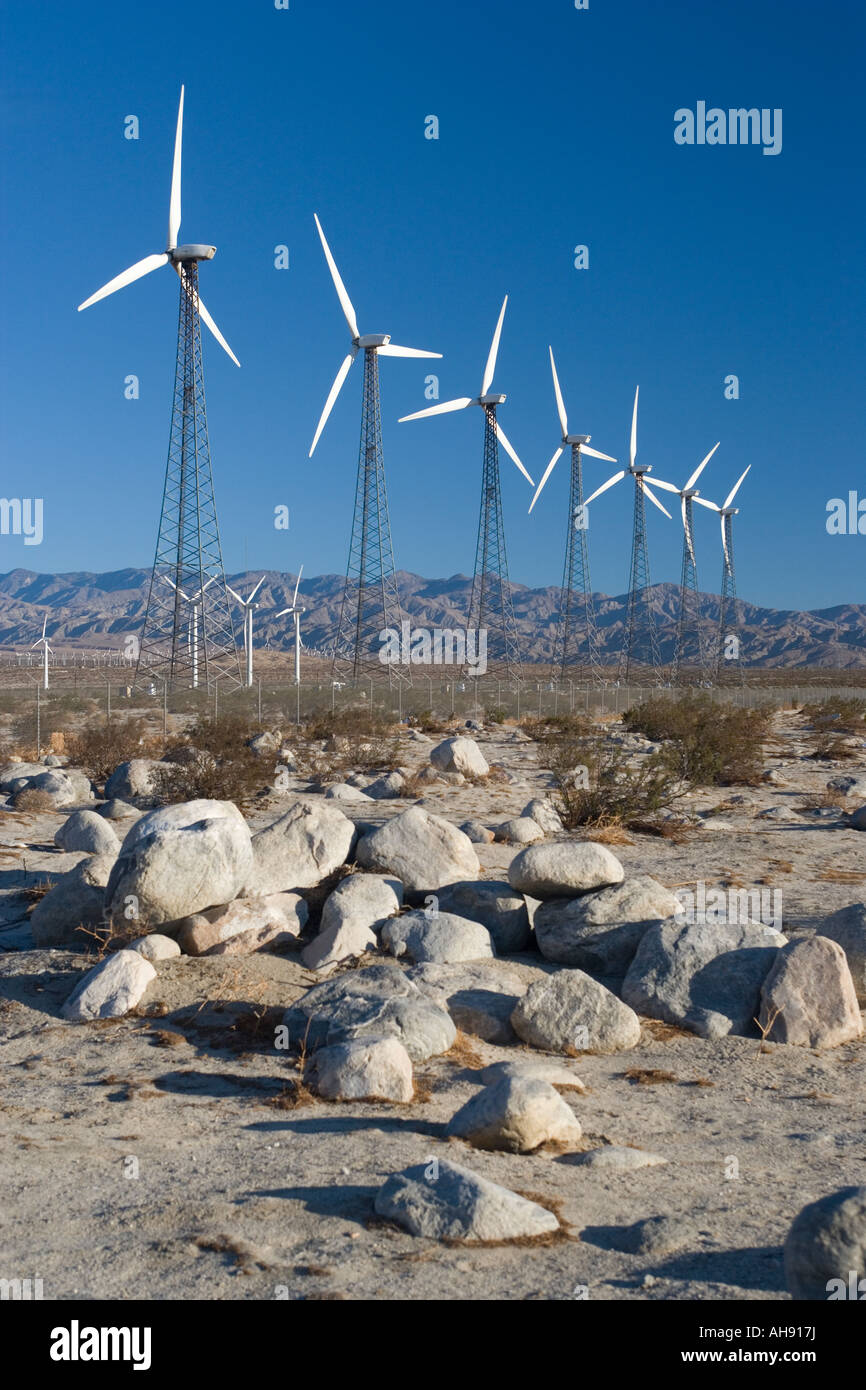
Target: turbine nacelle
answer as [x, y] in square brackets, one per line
[492, 398]
[576, 438]
[373, 340]
[193, 252]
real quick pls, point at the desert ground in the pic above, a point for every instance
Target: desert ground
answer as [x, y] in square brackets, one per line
[174, 1152]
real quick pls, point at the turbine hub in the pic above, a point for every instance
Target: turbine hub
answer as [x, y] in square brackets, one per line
[193, 253]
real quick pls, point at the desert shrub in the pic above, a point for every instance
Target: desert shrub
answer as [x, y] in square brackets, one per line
[216, 763]
[356, 740]
[99, 750]
[495, 715]
[595, 784]
[705, 743]
[832, 723]
[33, 799]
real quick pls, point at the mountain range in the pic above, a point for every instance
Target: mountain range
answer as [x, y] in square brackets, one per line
[87, 610]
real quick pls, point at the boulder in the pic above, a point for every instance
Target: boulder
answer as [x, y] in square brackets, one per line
[477, 833]
[423, 850]
[116, 810]
[444, 1201]
[545, 814]
[300, 849]
[65, 787]
[356, 910]
[436, 936]
[376, 1001]
[386, 788]
[179, 860]
[523, 830]
[847, 927]
[825, 1252]
[808, 997]
[155, 947]
[87, 832]
[264, 745]
[495, 905]
[245, 925]
[564, 870]
[857, 819]
[459, 755]
[848, 785]
[480, 997]
[570, 1012]
[703, 976]
[365, 1069]
[138, 780]
[517, 1114]
[111, 988]
[76, 901]
[341, 791]
[601, 931]
[537, 1069]
[14, 776]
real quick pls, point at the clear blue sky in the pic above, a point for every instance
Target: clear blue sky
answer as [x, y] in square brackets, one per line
[556, 128]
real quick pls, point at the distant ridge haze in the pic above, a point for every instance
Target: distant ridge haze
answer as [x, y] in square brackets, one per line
[89, 610]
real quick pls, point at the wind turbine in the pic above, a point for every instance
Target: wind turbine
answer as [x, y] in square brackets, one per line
[296, 614]
[729, 642]
[43, 643]
[371, 601]
[639, 576]
[248, 606]
[192, 622]
[491, 561]
[575, 577]
[188, 544]
[689, 615]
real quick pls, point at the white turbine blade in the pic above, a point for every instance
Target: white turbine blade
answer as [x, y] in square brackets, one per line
[282, 613]
[174, 204]
[234, 593]
[687, 532]
[44, 626]
[208, 321]
[332, 396]
[652, 497]
[560, 403]
[725, 545]
[494, 352]
[297, 586]
[126, 277]
[342, 295]
[700, 468]
[256, 589]
[734, 490]
[666, 487]
[604, 487]
[594, 454]
[705, 502]
[443, 409]
[392, 350]
[547, 472]
[501, 436]
[633, 446]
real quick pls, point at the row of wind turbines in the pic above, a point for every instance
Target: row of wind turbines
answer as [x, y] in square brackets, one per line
[196, 643]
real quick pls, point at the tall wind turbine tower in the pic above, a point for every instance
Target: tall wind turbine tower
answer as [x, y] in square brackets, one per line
[188, 551]
[370, 601]
[690, 650]
[640, 630]
[576, 638]
[728, 661]
[490, 607]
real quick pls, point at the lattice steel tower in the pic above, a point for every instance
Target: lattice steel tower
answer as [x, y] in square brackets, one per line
[187, 637]
[641, 647]
[371, 601]
[728, 663]
[491, 607]
[689, 651]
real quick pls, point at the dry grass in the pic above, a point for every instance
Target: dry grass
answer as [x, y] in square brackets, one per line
[463, 1054]
[612, 834]
[649, 1076]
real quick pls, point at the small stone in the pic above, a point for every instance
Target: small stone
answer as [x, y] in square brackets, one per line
[617, 1158]
[545, 814]
[439, 936]
[554, 1073]
[155, 947]
[459, 755]
[564, 870]
[245, 925]
[521, 831]
[87, 832]
[477, 833]
[341, 791]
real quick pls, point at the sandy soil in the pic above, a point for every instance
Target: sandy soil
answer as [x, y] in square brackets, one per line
[158, 1156]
